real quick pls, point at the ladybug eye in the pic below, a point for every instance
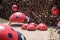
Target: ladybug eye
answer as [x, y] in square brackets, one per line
[10, 35]
[1, 28]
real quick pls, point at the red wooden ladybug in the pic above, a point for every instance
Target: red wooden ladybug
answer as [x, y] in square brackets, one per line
[55, 10]
[24, 26]
[42, 26]
[31, 27]
[14, 7]
[7, 33]
[17, 17]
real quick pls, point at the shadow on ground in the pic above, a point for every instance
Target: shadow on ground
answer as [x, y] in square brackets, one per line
[15, 25]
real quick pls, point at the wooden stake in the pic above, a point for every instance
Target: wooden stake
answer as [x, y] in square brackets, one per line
[37, 17]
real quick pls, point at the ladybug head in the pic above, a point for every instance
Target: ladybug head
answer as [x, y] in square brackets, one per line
[21, 36]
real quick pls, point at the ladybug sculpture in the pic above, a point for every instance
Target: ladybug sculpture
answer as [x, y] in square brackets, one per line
[7, 33]
[24, 26]
[31, 27]
[42, 26]
[18, 17]
[14, 7]
[55, 10]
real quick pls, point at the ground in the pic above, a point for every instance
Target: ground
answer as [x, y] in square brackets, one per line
[35, 35]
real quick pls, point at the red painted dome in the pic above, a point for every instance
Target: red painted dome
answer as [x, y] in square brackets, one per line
[31, 27]
[6, 33]
[42, 26]
[55, 11]
[24, 26]
[14, 7]
[17, 17]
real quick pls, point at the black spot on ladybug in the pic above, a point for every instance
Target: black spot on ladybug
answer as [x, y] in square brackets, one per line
[17, 17]
[10, 35]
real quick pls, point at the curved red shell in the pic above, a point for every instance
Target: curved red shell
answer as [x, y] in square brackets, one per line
[14, 7]
[24, 26]
[31, 28]
[5, 30]
[42, 26]
[55, 11]
[17, 17]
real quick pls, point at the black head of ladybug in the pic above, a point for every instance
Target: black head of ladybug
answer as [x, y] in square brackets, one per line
[20, 36]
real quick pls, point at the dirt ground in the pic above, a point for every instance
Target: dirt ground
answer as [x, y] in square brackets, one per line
[35, 35]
